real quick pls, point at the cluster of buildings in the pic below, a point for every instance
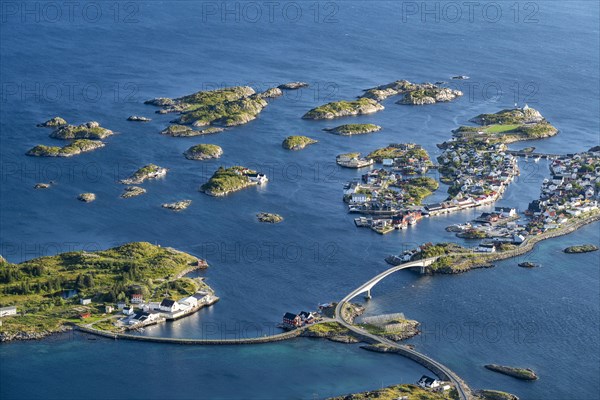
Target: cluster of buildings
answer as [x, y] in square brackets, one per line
[479, 173]
[402, 158]
[292, 321]
[141, 313]
[572, 190]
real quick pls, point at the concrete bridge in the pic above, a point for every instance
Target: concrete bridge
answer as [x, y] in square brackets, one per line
[440, 370]
[520, 153]
[367, 286]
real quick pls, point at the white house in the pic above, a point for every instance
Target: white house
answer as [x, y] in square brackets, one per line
[168, 305]
[189, 302]
[6, 311]
[128, 311]
[428, 382]
[258, 178]
[387, 162]
[359, 198]
[85, 302]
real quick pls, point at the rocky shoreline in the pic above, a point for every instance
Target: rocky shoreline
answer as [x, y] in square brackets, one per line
[203, 152]
[297, 142]
[76, 147]
[22, 335]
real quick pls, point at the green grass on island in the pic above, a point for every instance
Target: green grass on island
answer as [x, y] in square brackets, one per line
[297, 142]
[509, 126]
[584, 248]
[400, 154]
[203, 151]
[89, 130]
[344, 108]
[37, 286]
[76, 147]
[354, 129]
[410, 392]
[226, 180]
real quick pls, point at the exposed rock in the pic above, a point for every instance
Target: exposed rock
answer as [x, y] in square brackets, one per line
[138, 118]
[525, 115]
[460, 77]
[391, 89]
[344, 108]
[293, 85]
[414, 93]
[132, 191]
[160, 102]
[528, 264]
[585, 248]
[519, 373]
[269, 217]
[486, 394]
[72, 149]
[594, 149]
[41, 186]
[297, 142]
[223, 107]
[13, 336]
[150, 171]
[86, 197]
[270, 93]
[185, 131]
[53, 123]
[353, 129]
[429, 94]
[89, 130]
[203, 152]
[178, 206]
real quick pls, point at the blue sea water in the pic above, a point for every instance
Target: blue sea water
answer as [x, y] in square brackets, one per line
[101, 62]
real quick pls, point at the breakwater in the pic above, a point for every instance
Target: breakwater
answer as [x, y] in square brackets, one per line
[256, 340]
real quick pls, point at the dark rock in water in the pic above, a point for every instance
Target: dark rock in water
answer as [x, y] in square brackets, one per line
[138, 118]
[269, 217]
[519, 373]
[460, 77]
[293, 85]
[594, 149]
[528, 264]
[41, 186]
[584, 248]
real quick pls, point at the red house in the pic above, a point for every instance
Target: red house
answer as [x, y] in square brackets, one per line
[85, 315]
[137, 298]
[292, 320]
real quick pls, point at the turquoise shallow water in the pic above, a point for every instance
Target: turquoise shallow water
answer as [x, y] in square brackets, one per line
[316, 255]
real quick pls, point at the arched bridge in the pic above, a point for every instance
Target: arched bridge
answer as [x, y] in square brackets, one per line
[443, 372]
[367, 286]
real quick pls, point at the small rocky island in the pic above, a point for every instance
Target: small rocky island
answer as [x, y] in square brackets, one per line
[297, 142]
[507, 126]
[528, 264]
[353, 129]
[339, 109]
[186, 131]
[137, 118]
[53, 123]
[269, 217]
[132, 191]
[72, 149]
[229, 106]
[42, 185]
[178, 205]
[89, 130]
[203, 152]
[519, 373]
[414, 93]
[86, 197]
[293, 85]
[584, 248]
[150, 171]
[229, 180]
